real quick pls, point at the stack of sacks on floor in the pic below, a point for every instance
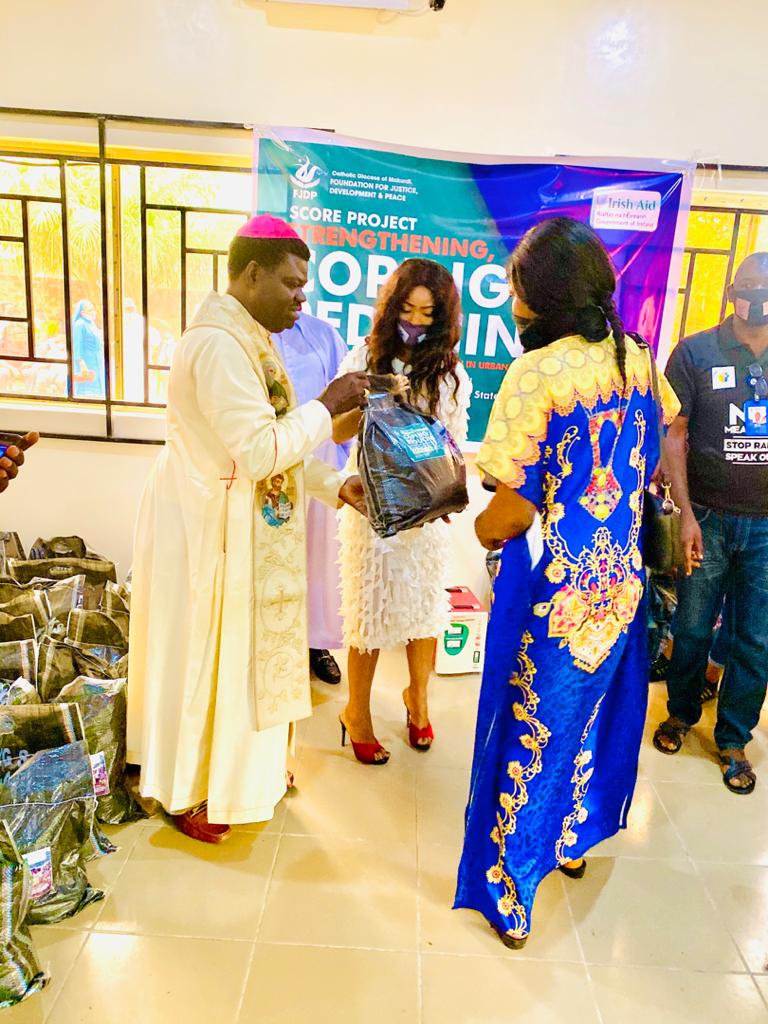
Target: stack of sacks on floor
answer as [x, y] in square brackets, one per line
[20, 971]
[63, 706]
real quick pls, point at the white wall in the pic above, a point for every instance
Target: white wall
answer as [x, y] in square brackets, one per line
[90, 489]
[603, 77]
[649, 78]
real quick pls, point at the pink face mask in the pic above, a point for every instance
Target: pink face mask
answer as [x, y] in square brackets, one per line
[411, 335]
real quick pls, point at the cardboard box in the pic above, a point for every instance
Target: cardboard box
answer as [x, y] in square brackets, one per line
[461, 649]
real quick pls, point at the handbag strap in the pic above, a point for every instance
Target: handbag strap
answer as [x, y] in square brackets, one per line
[642, 343]
[669, 504]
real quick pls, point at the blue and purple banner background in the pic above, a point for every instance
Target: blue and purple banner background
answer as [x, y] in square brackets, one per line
[363, 208]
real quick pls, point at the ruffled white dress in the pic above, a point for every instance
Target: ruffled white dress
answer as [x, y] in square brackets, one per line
[393, 589]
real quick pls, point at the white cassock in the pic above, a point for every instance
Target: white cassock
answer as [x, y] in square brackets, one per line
[218, 646]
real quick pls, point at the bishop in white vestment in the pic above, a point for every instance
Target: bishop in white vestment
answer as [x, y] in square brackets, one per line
[218, 646]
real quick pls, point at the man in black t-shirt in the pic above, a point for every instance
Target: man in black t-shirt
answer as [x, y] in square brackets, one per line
[717, 456]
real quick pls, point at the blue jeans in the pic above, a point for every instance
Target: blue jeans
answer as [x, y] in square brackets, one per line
[735, 563]
[721, 648]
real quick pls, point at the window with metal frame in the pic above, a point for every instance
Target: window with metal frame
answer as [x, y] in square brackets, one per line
[105, 252]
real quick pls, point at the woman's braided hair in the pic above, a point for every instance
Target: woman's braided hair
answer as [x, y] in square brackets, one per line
[562, 271]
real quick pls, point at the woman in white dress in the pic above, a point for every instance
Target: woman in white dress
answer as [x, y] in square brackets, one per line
[393, 590]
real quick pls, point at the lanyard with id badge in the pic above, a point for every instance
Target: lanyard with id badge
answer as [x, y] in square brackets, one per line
[756, 412]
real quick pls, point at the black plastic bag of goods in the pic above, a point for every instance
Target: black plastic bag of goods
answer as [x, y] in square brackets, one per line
[95, 629]
[59, 597]
[61, 661]
[10, 547]
[104, 709]
[18, 691]
[116, 603]
[59, 547]
[18, 658]
[411, 468]
[29, 602]
[28, 727]
[17, 627]
[63, 595]
[20, 971]
[116, 595]
[97, 572]
[49, 806]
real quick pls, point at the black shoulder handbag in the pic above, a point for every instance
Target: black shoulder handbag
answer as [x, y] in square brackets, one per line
[661, 541]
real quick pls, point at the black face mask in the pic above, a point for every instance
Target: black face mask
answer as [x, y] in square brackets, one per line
[751, 305]
[534, 333]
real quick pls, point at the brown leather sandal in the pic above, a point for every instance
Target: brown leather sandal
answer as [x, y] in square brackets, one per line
[194, 823]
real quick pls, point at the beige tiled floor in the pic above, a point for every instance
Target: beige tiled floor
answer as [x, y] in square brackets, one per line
[339, 909]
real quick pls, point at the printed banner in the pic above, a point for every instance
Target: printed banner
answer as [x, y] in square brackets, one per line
[363, 208]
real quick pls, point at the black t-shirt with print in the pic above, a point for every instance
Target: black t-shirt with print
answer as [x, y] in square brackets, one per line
[727, 471]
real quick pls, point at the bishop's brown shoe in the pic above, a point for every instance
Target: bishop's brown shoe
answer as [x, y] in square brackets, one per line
[194, 823]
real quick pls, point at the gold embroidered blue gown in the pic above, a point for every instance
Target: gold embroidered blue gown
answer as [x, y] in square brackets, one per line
[564, 691]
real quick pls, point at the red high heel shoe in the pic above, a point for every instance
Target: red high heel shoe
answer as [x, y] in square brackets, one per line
[420, 739]
[366, 753]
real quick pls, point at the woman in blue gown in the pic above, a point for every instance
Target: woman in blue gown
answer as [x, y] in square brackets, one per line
[571, 444]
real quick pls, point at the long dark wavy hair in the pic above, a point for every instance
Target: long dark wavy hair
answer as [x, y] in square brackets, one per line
[562, 271]
[435, 358]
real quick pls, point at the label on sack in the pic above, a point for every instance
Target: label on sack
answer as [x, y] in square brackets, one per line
[99, 773]
[419, 442]
[40, 864]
